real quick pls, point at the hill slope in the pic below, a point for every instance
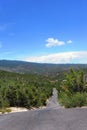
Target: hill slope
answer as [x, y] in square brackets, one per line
[28, 67]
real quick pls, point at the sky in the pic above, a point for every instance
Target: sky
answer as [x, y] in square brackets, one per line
[43, 31]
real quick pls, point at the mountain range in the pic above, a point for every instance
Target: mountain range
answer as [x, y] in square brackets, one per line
[37, 68]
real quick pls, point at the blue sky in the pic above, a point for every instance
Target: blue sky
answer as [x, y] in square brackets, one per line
[45, 31]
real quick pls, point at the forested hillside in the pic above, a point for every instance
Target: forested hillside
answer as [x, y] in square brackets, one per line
[37, 68]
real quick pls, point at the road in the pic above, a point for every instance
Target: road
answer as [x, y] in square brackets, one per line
[53, 101]
[50, 118]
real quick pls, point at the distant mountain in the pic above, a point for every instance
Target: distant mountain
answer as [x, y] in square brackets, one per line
[37, 68]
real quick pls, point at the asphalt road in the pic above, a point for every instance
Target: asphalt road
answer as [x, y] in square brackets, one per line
[53, 101]
[51, 118]
[47, 119]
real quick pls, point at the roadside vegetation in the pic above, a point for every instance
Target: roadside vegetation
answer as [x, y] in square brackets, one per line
[23, 90]
[33, 90]
[73, 92]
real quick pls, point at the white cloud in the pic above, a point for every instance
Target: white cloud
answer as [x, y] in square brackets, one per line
[54, 42]
[63, 57]
[69, 41]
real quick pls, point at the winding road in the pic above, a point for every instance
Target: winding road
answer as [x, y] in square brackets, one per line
[51, 118]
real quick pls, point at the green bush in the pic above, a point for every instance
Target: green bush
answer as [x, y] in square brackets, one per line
[8, 110]
[79, 99]
[73, 100]
[2, 111]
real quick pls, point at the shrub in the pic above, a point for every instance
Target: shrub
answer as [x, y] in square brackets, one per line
[79, 99]
[73, 100]
[8, 110]
[4, 110]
